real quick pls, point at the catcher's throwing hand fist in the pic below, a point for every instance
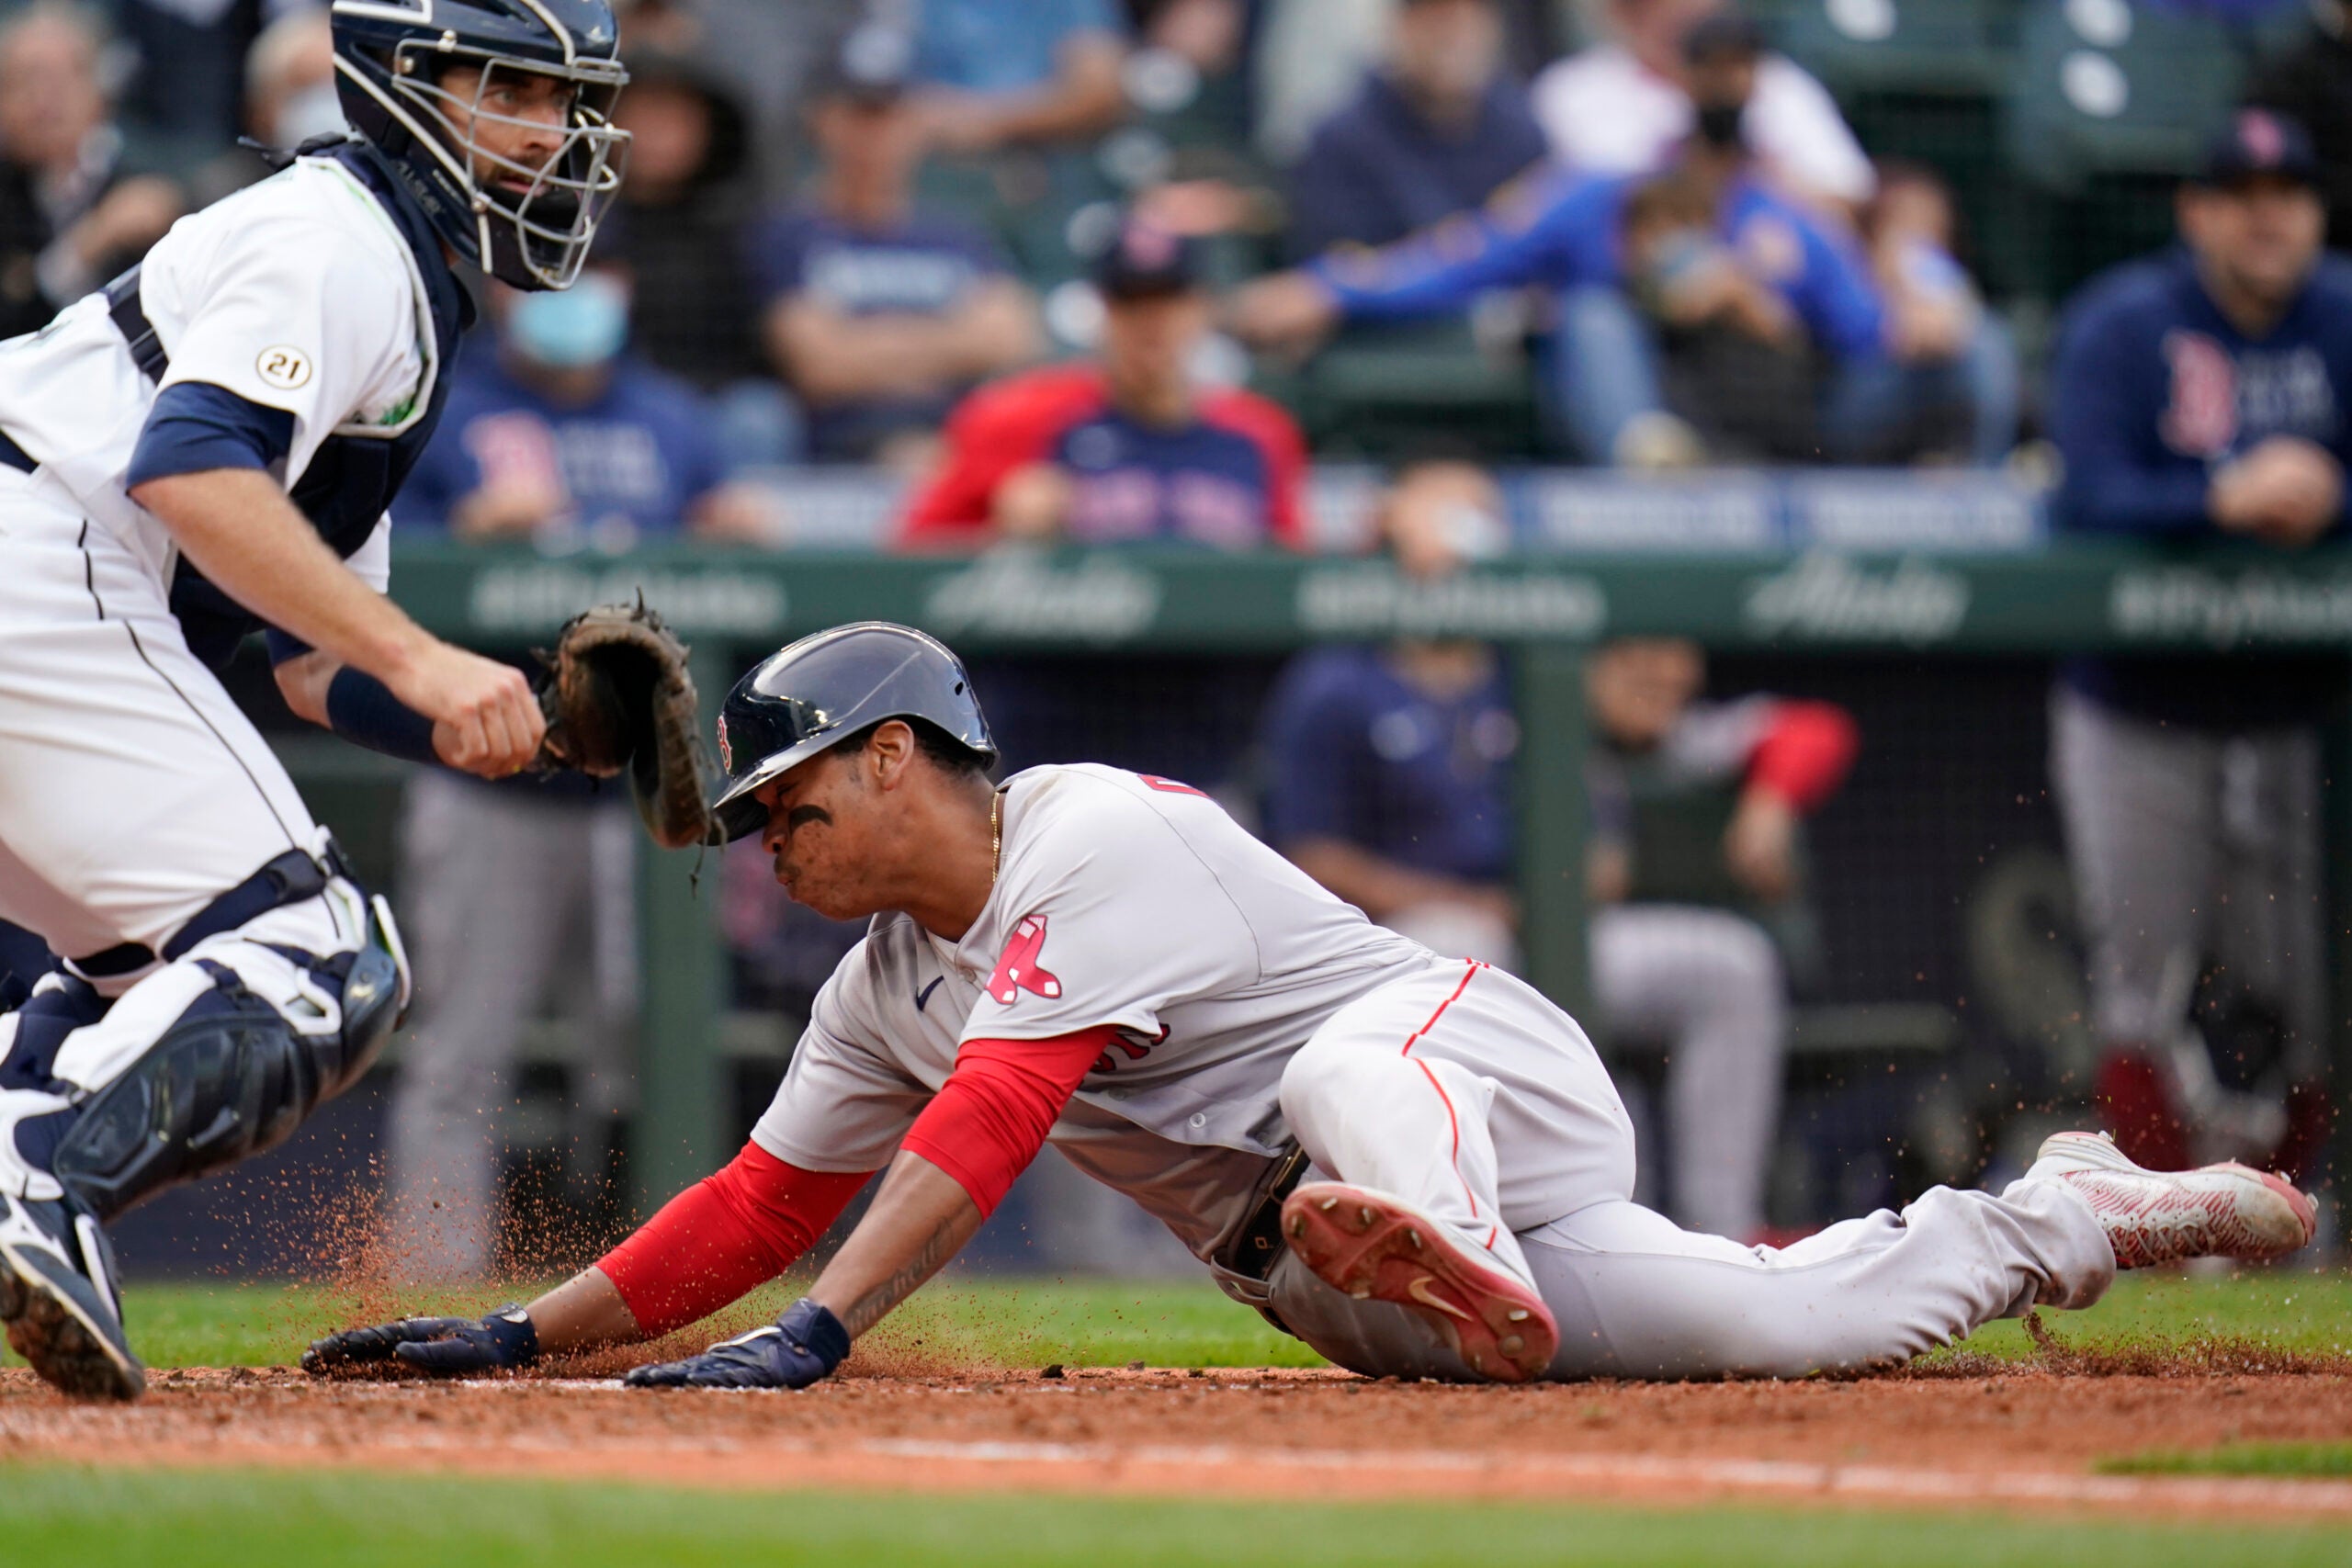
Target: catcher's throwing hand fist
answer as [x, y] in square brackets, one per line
[802, 1347]
[500, 1342]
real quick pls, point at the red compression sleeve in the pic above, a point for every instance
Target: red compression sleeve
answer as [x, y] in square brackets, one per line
[1805, 752]
[724, 1236]
[991, 1117]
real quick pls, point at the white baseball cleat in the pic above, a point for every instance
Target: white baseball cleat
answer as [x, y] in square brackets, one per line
[1374, 1247]
[2165, 1216]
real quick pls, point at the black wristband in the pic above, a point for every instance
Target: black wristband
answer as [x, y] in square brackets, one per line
[361, 709]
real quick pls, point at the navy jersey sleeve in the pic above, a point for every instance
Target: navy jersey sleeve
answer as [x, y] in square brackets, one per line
[776, 251]
[2106, 386]
[690, 449]
[1552, 229]
[1334, 196]
[1314, 732]
[445, 473]
[196, 427]
[987, 253]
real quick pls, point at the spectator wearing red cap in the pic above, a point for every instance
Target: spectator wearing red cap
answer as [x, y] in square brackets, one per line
[1128, 449]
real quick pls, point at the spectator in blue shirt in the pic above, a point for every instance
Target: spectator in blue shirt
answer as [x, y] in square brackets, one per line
[877, 314]
[560, 436]
[997, 73]
[2206, 392]
[1771, 273]
[1436, 132]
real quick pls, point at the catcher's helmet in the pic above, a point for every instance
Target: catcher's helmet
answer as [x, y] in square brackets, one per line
[389, 58]
[818, 692]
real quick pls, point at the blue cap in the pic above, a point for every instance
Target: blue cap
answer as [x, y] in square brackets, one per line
[2256, 143]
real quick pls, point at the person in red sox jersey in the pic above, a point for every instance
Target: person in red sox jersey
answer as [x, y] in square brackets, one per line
[1418, 1164]
[2206, 392]
[1125, 450]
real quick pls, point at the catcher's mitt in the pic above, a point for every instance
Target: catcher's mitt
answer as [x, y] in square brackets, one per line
[617, 696]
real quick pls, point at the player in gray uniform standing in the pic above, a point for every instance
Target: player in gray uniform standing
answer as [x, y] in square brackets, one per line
[1415, 1164]
[2206, 392]
[203, 450]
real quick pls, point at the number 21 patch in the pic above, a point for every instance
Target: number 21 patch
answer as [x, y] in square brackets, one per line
[283, 367]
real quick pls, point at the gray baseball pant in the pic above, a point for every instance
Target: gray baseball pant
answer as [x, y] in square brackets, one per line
[516, 899]
[2186, 842]
[1705, 985]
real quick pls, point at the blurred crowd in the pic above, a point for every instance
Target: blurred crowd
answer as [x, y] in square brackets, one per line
[1108, 272]
[1646, 223]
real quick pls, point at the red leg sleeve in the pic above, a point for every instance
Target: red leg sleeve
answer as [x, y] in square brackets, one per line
[727, 1234]
[991, 1117]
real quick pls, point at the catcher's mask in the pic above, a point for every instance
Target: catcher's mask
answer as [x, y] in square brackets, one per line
[529, 226]
[814, 693]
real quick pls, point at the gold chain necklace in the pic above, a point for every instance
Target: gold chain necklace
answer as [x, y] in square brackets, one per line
[996, 835]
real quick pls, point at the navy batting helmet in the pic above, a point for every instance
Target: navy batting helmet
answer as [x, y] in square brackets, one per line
[814, 693]
[529, 227]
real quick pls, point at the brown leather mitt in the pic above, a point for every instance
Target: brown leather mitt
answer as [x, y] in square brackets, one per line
[618, 698]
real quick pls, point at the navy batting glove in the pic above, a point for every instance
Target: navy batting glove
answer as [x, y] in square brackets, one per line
[803, 1346]
[504, 1340]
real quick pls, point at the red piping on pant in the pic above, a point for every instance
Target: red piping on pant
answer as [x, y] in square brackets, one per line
[1454, 1125]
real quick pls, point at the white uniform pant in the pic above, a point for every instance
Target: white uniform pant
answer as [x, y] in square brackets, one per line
[1465, 1093]
[132, 794]
[132, 791]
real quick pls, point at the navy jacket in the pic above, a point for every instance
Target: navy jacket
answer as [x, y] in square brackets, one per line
[1376, 170]
[2151, 390]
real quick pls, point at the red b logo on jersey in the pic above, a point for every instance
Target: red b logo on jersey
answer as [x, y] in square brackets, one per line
[1018, 970]
[2201, 421]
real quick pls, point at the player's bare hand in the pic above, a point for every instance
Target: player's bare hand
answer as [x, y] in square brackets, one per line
[1032, 502]
[485, 720]
[1760, 846]
[129, 219]
[508, 506]
[1289, 310]
[2286, 491]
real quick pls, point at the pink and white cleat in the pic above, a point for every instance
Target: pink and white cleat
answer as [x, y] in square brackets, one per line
[1374, 1247]
[2165, 1216]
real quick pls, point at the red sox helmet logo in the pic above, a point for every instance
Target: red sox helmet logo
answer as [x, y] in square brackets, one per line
[1019, 970]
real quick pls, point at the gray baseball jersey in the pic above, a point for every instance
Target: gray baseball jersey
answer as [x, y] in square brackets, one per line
[1124, 900]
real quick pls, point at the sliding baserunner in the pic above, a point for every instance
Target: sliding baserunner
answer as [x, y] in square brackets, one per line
[1416, 1165]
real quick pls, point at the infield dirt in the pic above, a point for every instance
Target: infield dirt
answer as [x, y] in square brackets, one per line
[1963, 1433]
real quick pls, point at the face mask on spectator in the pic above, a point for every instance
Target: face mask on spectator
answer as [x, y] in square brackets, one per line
[1719, 124]
[313, 111]
[581, 326]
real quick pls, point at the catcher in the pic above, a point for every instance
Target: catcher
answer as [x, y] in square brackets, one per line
[1415, 1164]
[205, 449]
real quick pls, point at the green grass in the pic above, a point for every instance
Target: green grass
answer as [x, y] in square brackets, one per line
[1183, 1322]
[238, 1518]
[2305, 1312]
[2239, 1459]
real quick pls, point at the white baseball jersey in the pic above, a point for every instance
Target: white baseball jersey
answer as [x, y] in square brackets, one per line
[1123, 900]
[298, 293]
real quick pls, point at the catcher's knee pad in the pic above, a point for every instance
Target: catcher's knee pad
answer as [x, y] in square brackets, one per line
[267, 1034]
